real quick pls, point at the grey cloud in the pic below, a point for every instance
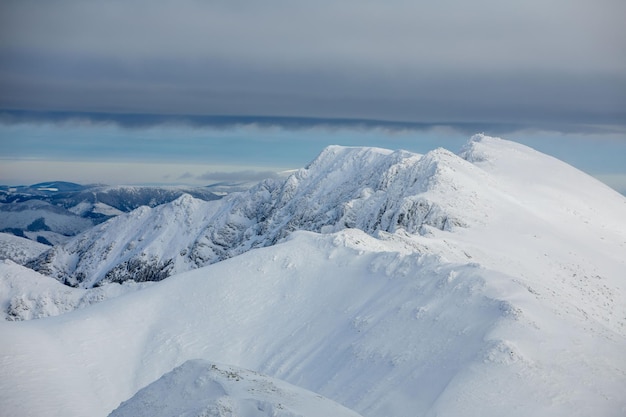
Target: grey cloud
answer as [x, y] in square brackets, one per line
[237, 176]
[452, 61]
[185, 176]
[294, 124]
[286, 33]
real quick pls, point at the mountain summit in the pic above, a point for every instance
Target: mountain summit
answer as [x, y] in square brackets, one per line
[371, 189]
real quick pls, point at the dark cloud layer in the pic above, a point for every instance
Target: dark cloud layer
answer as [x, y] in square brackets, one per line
[140, 121]
[134, 120]
[559, 63]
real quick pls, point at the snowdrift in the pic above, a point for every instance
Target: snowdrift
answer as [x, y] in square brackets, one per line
[201, 388]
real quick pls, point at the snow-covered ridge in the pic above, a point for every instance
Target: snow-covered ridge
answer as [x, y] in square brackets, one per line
[52, 212]
[201, 388]
[41, 221]
[27, 295]
[19, 249]
[366, 188]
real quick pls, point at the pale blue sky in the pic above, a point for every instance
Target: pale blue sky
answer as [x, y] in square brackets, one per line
[108, 153]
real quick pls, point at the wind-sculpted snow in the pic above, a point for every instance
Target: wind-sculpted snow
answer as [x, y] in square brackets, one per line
[368, 322]
[200, 388]
[365, 188]
[27, 295]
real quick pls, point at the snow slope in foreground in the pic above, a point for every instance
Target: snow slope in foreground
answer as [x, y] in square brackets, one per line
[200, 388]
[371, 324]
[522, 312]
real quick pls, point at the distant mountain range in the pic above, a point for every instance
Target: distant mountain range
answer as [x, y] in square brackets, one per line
[52, 212]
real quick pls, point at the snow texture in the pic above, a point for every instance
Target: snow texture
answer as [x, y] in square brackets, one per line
[200, 388]
[26, 294]
[505, 297]
[19, 249]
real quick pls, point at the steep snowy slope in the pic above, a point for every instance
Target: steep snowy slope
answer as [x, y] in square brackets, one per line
[147, 244]
[199, 388]
[493, 286]
[366, 188]
[369, 323]
[556, 222]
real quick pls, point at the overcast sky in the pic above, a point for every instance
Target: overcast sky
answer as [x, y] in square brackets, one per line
[557, 65]
[533, 61]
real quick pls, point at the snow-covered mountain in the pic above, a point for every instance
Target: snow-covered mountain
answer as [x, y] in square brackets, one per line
[366, 188]
[200, 388]
[52, 212]
[487, 283]
[41, 221]
[19, 249]
[122, 199]
[26, 294]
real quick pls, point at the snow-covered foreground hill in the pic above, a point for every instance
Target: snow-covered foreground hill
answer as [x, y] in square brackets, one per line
[201, 388]
[486, 284]
[26, 294]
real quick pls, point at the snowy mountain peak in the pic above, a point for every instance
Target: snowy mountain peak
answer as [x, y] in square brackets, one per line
[371, 189]
[334, 156]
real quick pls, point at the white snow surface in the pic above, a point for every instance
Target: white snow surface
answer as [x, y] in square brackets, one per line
[98, 208]
[200, 388]
[507, 296]
[19, 249]
[26, 294]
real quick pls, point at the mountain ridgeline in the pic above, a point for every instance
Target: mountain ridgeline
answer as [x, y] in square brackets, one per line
[366, 188]
[52, 212]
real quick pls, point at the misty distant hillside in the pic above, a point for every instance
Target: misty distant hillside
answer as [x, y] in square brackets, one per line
[52, 212]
